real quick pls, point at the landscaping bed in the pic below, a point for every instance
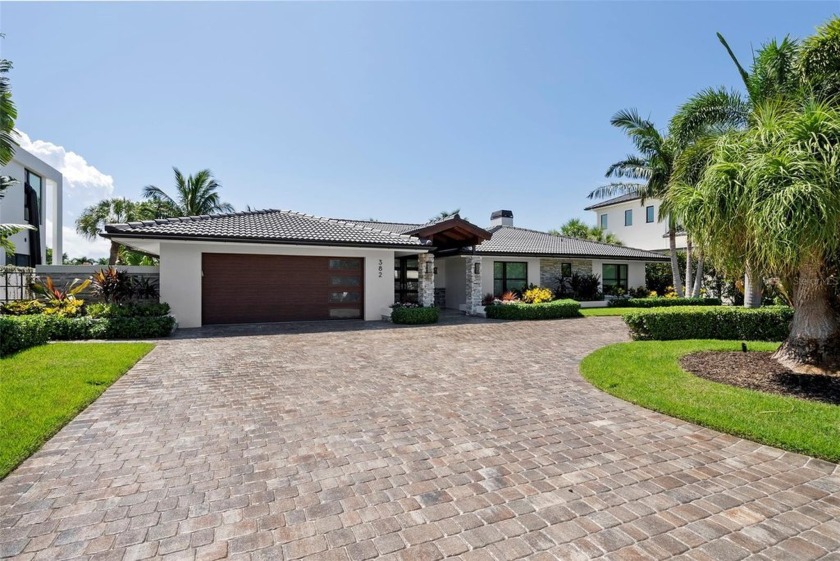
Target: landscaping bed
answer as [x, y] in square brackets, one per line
[757, 371]
[522, 311]
[648, 373]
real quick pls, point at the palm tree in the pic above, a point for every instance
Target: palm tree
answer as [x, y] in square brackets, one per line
[8, 114]
[92, 221]
[714, 111]
[444, 214]
[653, 165]
[771, 196]
[577, 228]
[195, 195]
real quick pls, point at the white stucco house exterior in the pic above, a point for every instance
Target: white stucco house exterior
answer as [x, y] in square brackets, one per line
[276, 265]
[34, 198]
[635, 223]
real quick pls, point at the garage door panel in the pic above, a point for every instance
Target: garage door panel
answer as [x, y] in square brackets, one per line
[239, 288]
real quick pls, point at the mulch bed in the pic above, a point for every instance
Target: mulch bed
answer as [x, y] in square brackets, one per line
[757, 371]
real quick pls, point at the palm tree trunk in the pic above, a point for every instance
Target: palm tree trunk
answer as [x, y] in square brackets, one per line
[689, 286]
[752, 289]
[675, 265]
[114, 254]
[813, 345]
[698, 275]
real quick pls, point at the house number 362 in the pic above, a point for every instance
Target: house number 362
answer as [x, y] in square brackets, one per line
[380, 268]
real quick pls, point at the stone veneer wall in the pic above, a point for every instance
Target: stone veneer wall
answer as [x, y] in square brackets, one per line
[474, 295]
[426, 284]
[550, 269]
[440, 298]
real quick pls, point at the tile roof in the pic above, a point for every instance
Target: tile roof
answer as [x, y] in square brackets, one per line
[519, 241]
[271, 226]
[614, 201]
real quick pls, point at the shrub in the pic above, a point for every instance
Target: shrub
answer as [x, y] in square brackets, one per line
[112, 285]
[707, 322]
[69, 308]
[414, 315]
[75, 329]
[22, 308]
[132, 309]
[52, 293]
[537, 295]
[21, 332]
[662, 302]
[546, 310]
[580, 286]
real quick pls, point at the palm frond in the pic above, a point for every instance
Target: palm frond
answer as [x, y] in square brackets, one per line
[745, 76]
[712, 110]
[614, 189]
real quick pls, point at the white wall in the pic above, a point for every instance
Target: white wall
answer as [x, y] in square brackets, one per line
[180, 274]
[453, 279]
[11, 206]
[641, 235]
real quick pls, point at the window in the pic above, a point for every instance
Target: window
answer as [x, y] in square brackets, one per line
[345, 264]
[603, 221]
[509, 276]
[615, 276]
[565, 270]
[649, 217]
[345, 297]
[628, 217]
[35, 181]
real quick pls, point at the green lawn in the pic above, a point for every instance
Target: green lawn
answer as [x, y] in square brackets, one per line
[596, 312]
[647, 373]
[44, 387]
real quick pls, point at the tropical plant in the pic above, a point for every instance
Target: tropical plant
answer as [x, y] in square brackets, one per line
[577, 228]
[771, 197]
[53, 294]
[93, 219]
[537, 295]
[112, 285]
[8, 114]
[653, 165]
[194, 195]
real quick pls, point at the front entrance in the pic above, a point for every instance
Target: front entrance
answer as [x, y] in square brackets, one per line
[406, 280]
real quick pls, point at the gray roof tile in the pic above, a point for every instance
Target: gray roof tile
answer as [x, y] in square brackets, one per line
[614, 201]
[519, 241]
[278, 226]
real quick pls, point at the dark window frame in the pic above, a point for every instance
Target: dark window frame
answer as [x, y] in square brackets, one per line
[621, 281]
[505, 279]
[650, 214]
[565, 270]
[603, 221]
[628, 214]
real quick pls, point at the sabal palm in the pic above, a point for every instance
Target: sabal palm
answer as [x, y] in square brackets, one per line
[577, 228]
[653, 165]
[92, 220]
[771, 196]
[194, 195]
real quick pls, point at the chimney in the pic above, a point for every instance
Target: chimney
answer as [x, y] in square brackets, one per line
[501, 218]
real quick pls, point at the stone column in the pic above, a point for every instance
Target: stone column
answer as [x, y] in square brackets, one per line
[474, 295]
[426, 279]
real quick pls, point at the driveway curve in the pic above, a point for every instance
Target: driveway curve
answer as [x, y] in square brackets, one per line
[350, 441]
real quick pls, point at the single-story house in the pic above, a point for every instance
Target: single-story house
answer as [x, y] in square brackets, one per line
[275, 265]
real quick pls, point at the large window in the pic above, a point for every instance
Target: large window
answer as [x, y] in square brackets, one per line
[615, 276]
[36, 182]
[628, 217]
[604, 221]
[509, 276]
[649, 216]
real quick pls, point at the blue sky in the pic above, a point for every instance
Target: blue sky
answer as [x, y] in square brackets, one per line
[387, 110]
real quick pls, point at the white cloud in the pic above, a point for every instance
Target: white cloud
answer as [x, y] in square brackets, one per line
[84, 185]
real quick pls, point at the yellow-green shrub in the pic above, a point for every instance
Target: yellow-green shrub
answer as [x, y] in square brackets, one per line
[537, 295]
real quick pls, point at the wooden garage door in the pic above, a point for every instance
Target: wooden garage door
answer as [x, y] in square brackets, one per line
[263, 288]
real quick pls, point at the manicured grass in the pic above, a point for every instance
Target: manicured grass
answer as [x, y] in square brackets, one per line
[648, 373]
[43, 388]
[597, 312]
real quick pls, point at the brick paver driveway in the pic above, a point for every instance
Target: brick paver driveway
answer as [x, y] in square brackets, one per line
[477, 440]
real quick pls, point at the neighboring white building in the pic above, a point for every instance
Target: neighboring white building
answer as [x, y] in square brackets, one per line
[634, 223]
[44, 185]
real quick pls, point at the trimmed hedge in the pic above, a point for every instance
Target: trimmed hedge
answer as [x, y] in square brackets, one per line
[771, 323]
[128, 310]
[662, 302]
[415, 316]
[546, 310]
[22, 332]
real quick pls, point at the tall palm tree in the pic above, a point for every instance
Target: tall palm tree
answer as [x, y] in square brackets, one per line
[195, 195]
[653, 165]
[773, 74]
[8, 114]
[771, 195]
[92, 221]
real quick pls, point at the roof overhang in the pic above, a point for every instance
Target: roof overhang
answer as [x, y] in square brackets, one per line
[646, 259]
[452, 232]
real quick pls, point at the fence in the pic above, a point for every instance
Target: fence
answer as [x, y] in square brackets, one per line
[14, 283]
[62, 275]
